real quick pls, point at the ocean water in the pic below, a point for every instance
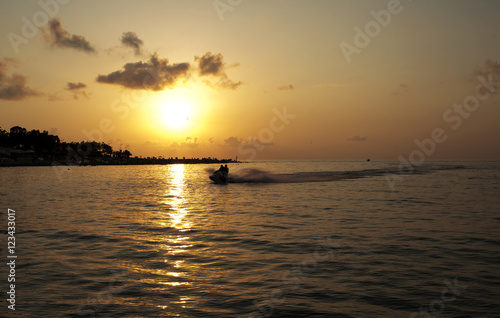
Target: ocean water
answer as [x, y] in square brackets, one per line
[284, 239]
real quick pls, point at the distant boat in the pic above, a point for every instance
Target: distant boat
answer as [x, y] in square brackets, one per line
[368, 159]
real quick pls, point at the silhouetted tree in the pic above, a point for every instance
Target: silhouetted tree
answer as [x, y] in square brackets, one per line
[107, 151]
[47, 145]
[4, 137]
[17, 136]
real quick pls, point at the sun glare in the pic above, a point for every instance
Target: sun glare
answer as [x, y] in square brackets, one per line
[176, 112]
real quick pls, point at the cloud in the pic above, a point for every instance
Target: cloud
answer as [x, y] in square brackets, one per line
[401, 89]
[357, 138]
[213, 65]
[286, 88]
[75, 86]
[233, 142]
[210, 64]
[225, 82]
[155, 143]
[14, 87]
[77, 89]
[190, 142]
[59, 37]
[155, 74]
[54, 97]
[131, 39]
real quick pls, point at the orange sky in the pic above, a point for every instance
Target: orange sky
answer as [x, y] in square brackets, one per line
[257, 79]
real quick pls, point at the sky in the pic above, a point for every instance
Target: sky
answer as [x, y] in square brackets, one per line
[259, 79]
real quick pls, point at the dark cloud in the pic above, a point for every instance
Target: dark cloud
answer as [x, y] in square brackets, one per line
[75, 86]
[210, 64]
[357, 138]
[131, 39]
[14, 87]
[286, 88]
[59, 37]
[155, 74]
[213, 65]
[78, 89]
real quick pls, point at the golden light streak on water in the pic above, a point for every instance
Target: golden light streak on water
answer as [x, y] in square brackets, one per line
[176, 198]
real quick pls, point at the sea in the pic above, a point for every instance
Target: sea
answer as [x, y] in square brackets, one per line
[282, 239]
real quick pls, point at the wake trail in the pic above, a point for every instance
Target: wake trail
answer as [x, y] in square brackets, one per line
[253, 175]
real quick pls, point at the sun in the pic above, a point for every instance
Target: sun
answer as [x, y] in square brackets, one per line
[176, 112]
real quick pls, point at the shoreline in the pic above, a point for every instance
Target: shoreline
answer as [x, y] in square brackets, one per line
[122, 162]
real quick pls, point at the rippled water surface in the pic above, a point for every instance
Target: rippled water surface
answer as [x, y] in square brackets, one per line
[286, 239]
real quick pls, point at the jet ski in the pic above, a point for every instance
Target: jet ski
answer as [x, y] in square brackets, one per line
[220, 177]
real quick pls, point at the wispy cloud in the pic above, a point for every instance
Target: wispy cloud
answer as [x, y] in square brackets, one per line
[58, 36]
[14, 87]
[213, 65]
[401, 89]
[233, 142]
[131, 40]
[357, 138]
[55, 97]
[78, 89]
[286, 88]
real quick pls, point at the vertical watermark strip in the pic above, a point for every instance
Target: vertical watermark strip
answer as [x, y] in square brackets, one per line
[11, 258]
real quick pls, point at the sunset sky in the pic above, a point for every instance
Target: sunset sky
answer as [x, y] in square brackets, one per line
[257, 79]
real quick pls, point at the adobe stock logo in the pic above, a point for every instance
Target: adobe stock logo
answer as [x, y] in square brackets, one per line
[223, 6]
[265, 137]
[30, 29]
[362, 38]
[454, 115]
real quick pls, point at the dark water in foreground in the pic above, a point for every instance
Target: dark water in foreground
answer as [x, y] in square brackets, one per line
[288, 239]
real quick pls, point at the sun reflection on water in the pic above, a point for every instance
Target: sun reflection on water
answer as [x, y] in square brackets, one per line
[176, 198]
[177, 243]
